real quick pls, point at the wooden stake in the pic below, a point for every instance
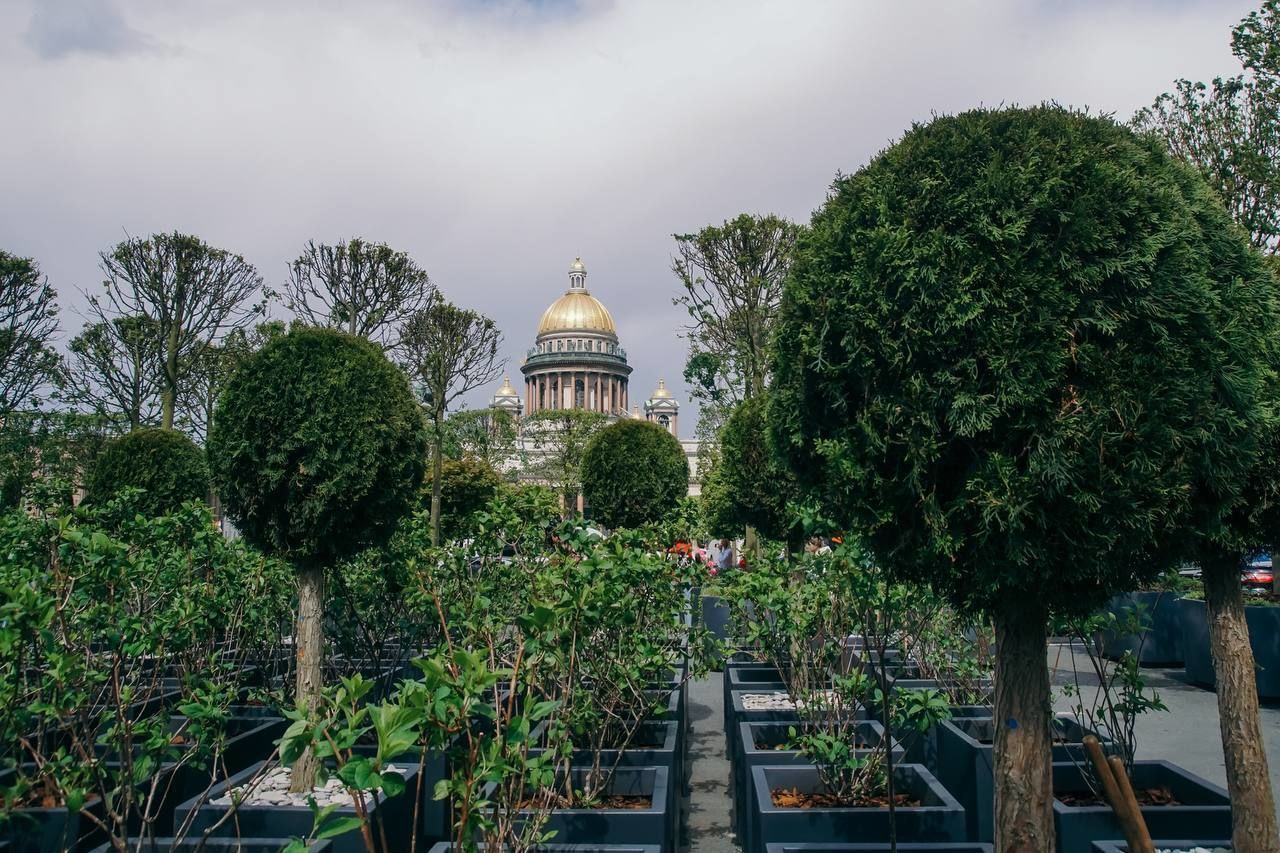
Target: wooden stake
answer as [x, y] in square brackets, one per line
[1111, 792]
[1141, 843]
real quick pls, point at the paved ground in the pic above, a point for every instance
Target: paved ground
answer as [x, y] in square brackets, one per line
[709, 828]
[1187, 734]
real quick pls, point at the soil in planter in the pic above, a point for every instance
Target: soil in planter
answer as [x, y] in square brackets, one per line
[610, 801]
[1160, 796]
[793, 798]
[781, 746]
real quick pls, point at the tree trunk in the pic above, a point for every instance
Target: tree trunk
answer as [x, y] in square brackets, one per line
[437, 469]
[1253, 816]
[310, 650]
[169, 396]
[1023, 763]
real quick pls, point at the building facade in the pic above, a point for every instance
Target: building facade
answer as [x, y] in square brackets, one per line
[577, 362]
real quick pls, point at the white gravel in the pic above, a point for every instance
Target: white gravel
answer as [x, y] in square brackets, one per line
[1192, 850]
[273, 790]
[777, 701]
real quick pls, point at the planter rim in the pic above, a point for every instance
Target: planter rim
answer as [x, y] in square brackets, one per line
[761, 791]
[1168, 766]
[747, 745]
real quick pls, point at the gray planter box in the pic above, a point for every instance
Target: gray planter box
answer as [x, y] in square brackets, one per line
[750, 755]
[222, 845]
[963, 847]
[1159, 843]
[445, 847]
[1161, 643]
[1205, 809]
[653, 826]
[940, 818]
[1264, 638]
[966, 758]
[394, 814]
[750, 677]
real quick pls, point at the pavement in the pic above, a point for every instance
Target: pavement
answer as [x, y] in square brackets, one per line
[1187, 734]
[709, 826]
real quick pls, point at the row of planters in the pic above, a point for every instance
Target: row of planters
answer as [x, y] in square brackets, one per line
[868, 717]
[542, 699]
[1174, 631]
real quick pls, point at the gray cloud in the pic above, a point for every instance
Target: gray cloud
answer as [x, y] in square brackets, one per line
[59, 28]
[496, 142]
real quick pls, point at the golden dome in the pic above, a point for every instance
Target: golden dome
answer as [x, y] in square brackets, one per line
[506, 390]
[578, 266]
[577, 311]
[661, 393]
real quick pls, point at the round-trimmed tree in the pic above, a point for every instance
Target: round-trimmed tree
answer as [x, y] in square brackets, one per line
[166, 465]
[1022, 352]
[318, 448]
[633, 472]
[467, 485]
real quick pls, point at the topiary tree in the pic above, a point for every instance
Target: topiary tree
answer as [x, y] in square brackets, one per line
[318, 450]
[757, 488]
[1014, 347]
[633, 472]
[466, 487]
[165, 464]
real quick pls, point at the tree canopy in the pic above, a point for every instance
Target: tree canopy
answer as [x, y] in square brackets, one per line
[1013, 387]
[317, 446]
[165, 464]
[633, 472]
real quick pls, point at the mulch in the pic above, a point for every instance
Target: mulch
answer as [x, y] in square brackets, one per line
[1160, 796]
[793, 798]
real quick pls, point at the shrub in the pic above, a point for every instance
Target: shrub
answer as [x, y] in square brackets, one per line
[755, 488]
[1012, 349]
[165, 464]
[633, 472]
[467, 485]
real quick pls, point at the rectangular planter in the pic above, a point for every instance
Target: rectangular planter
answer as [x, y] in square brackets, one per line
[750, 755]
[664, 752]
[652, 826]
[445, 847]
[221, 845]
[757, 677]
[1159, 843]
[1161, 643]
[38, 830]
[263, 821]
[1264, 639]
[1205, 809]
[966, 759]
[715, 618]
[940, 818]
[961, 847]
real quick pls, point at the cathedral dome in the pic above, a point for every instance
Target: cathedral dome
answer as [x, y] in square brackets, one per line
[577, 311]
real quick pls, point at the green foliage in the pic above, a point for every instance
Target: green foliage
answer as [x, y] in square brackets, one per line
[732, 278]
[467, 486]
[116, 638]
[28, 322]
[165, 464]
[318, 446]
[633, 472]
[558, 440]
[40, 450]
[488, 435]
[754, 487]
[1013, 348]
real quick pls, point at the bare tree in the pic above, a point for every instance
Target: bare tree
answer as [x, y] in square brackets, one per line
[449, 351]
[114, 371]
[557, 441]
[192, 292]
[28, 322]
[732, 276]
[365, 289]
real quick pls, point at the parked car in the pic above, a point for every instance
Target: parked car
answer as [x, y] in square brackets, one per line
[1257, 575]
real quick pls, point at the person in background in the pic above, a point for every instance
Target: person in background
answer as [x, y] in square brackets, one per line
[725, 560]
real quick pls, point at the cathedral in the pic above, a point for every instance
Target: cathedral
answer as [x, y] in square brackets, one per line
[577, 362]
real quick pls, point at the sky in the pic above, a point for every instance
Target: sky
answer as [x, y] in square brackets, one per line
[497, 140]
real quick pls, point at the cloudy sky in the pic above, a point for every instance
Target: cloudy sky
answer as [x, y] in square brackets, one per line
[495, 140]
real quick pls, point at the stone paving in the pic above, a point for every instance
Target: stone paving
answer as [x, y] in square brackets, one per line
[710, 829]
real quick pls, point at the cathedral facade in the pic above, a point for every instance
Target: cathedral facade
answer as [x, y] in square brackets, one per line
[577, 362]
